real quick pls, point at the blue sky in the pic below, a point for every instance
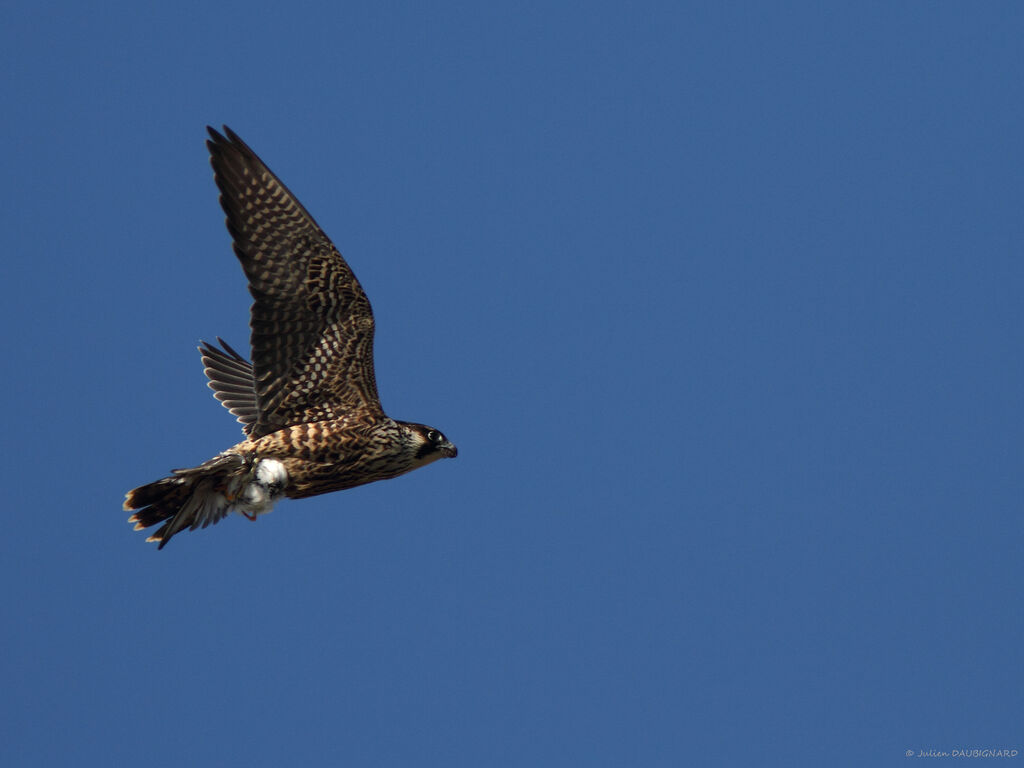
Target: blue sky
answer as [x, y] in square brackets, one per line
[721, 303]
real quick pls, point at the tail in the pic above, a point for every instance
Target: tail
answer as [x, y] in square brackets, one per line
[189, 498]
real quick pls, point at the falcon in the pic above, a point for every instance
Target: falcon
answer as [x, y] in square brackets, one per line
[307, 402]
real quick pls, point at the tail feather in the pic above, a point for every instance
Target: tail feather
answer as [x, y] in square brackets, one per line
[189, 498]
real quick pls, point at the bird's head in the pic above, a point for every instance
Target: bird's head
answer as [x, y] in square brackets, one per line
[430, 444]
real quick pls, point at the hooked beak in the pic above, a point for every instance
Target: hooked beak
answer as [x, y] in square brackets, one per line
[448, 450]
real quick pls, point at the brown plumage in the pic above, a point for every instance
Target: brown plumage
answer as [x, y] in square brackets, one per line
[308, 402]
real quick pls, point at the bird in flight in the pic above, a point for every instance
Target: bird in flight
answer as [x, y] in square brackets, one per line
[308, 401]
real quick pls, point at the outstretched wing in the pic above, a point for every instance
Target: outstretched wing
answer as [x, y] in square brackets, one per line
[230, 378]
[312, 326]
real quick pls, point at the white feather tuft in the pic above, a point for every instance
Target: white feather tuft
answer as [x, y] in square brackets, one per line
[262, 488]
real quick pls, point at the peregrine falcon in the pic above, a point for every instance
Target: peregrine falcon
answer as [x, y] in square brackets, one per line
[308, 401]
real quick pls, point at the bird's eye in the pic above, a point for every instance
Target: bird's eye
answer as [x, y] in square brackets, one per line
[434, 436]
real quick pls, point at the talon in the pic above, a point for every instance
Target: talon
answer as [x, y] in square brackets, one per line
[249, 515]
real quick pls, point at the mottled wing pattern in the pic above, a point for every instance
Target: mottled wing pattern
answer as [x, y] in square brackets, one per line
[312, 326]
[230, 378]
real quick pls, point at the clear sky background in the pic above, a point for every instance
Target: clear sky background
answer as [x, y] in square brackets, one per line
[721, 303]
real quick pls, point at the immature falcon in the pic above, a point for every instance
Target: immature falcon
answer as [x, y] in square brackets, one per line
[308, 402]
